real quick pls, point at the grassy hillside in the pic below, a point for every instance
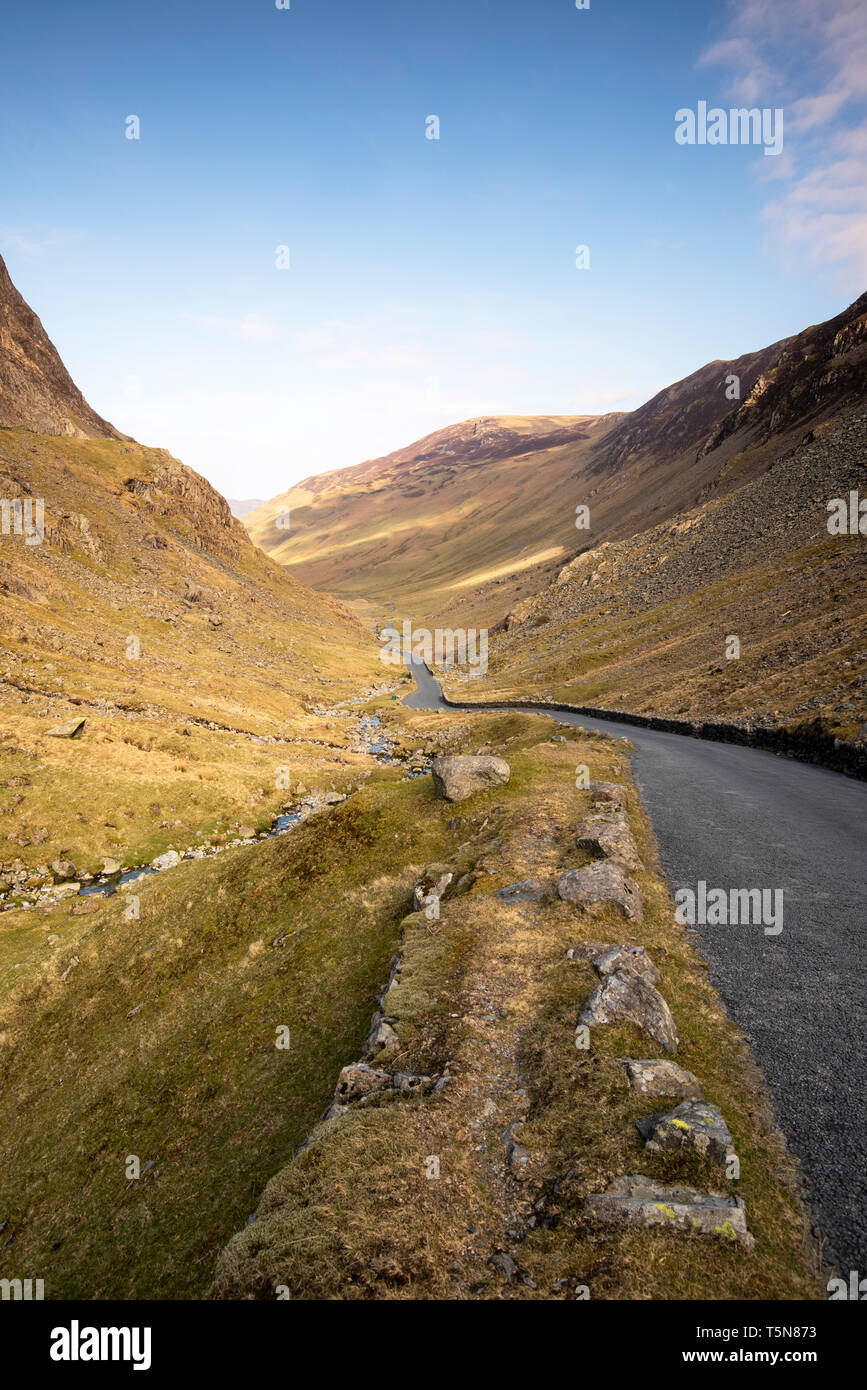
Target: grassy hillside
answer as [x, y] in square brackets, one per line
[196, 661]
[428, 526]
[156, 1037]
[643, 624]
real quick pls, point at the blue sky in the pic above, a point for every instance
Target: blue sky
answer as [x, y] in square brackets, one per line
[429, 280]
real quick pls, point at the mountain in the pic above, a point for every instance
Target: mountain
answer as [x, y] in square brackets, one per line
[643, 624]
[460, 510]
[140, 604]
[36, 391]
[469, 521]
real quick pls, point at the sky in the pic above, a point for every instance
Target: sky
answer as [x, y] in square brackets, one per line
[428, 280]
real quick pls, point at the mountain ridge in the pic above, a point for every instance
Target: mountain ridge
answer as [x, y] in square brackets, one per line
[36, 390]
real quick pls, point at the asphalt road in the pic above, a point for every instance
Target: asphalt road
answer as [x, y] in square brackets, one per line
[742, 818]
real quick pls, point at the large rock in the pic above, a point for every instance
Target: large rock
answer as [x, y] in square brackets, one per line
[166, 861]
[633, 959]
[658, 1076]
[457, 777]
[70, 729]
[382, 1039]
[602, 885]
[635, 1200]
[609, 837]
[606, 957]
[588, 951]
[65, 890]
[357, 1081]
[692, 1125]
[408, 1083]
[628, 998]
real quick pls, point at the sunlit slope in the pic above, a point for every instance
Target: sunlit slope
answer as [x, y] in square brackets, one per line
[646, 624]
[147, 611]
[478, 506]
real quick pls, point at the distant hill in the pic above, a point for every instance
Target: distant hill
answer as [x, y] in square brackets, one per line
[468, 510]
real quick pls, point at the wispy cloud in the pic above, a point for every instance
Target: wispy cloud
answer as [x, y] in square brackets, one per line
[810, 58]
[34, 243]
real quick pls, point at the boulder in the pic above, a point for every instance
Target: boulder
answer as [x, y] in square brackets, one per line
[82, 908]
[624, 997]
[503, 1263]
[167, 860]
[63, 868]
[633, 959]
[660, 1077]
[601, 885]
[357, 1081]
[694, 1124]
[64, 890]
[110, 867]
[635, 1200]
[609, 837]
[71, 728]
[588, 951]
[408, 1083]
[457, 777]
[606, 957]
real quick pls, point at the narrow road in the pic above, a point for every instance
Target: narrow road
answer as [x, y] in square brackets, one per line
[742, 818]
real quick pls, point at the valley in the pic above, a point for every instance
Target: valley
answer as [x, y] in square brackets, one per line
[707, 516]
[312, 987]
